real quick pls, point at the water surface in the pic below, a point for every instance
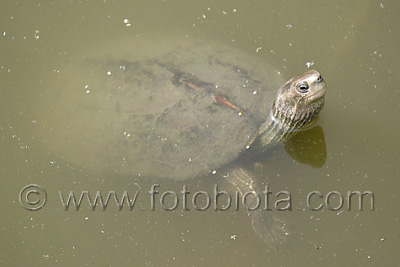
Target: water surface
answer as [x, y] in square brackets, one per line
[354, 46]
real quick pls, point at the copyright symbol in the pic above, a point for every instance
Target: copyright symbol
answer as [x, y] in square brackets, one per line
[32, 197]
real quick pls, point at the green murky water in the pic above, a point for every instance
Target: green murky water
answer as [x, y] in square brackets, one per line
[354, 45]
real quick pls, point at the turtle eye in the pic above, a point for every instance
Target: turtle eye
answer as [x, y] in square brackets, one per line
[303, 87]
[319, 79]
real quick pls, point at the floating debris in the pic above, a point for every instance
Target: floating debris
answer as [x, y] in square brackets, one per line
[127, 23]
[309, 64]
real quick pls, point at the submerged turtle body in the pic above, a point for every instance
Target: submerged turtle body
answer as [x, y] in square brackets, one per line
[184, 113]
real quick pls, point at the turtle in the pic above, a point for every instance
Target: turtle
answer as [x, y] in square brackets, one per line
[189, 111]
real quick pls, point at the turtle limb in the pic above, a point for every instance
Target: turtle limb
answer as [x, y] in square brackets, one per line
[269, 228]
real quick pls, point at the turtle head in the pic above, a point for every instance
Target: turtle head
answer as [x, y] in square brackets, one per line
[300, 99]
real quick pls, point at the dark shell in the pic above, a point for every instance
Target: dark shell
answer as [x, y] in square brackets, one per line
[140, 118]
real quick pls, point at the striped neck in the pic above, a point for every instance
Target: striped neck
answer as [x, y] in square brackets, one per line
[272, 131]
[282, 123]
